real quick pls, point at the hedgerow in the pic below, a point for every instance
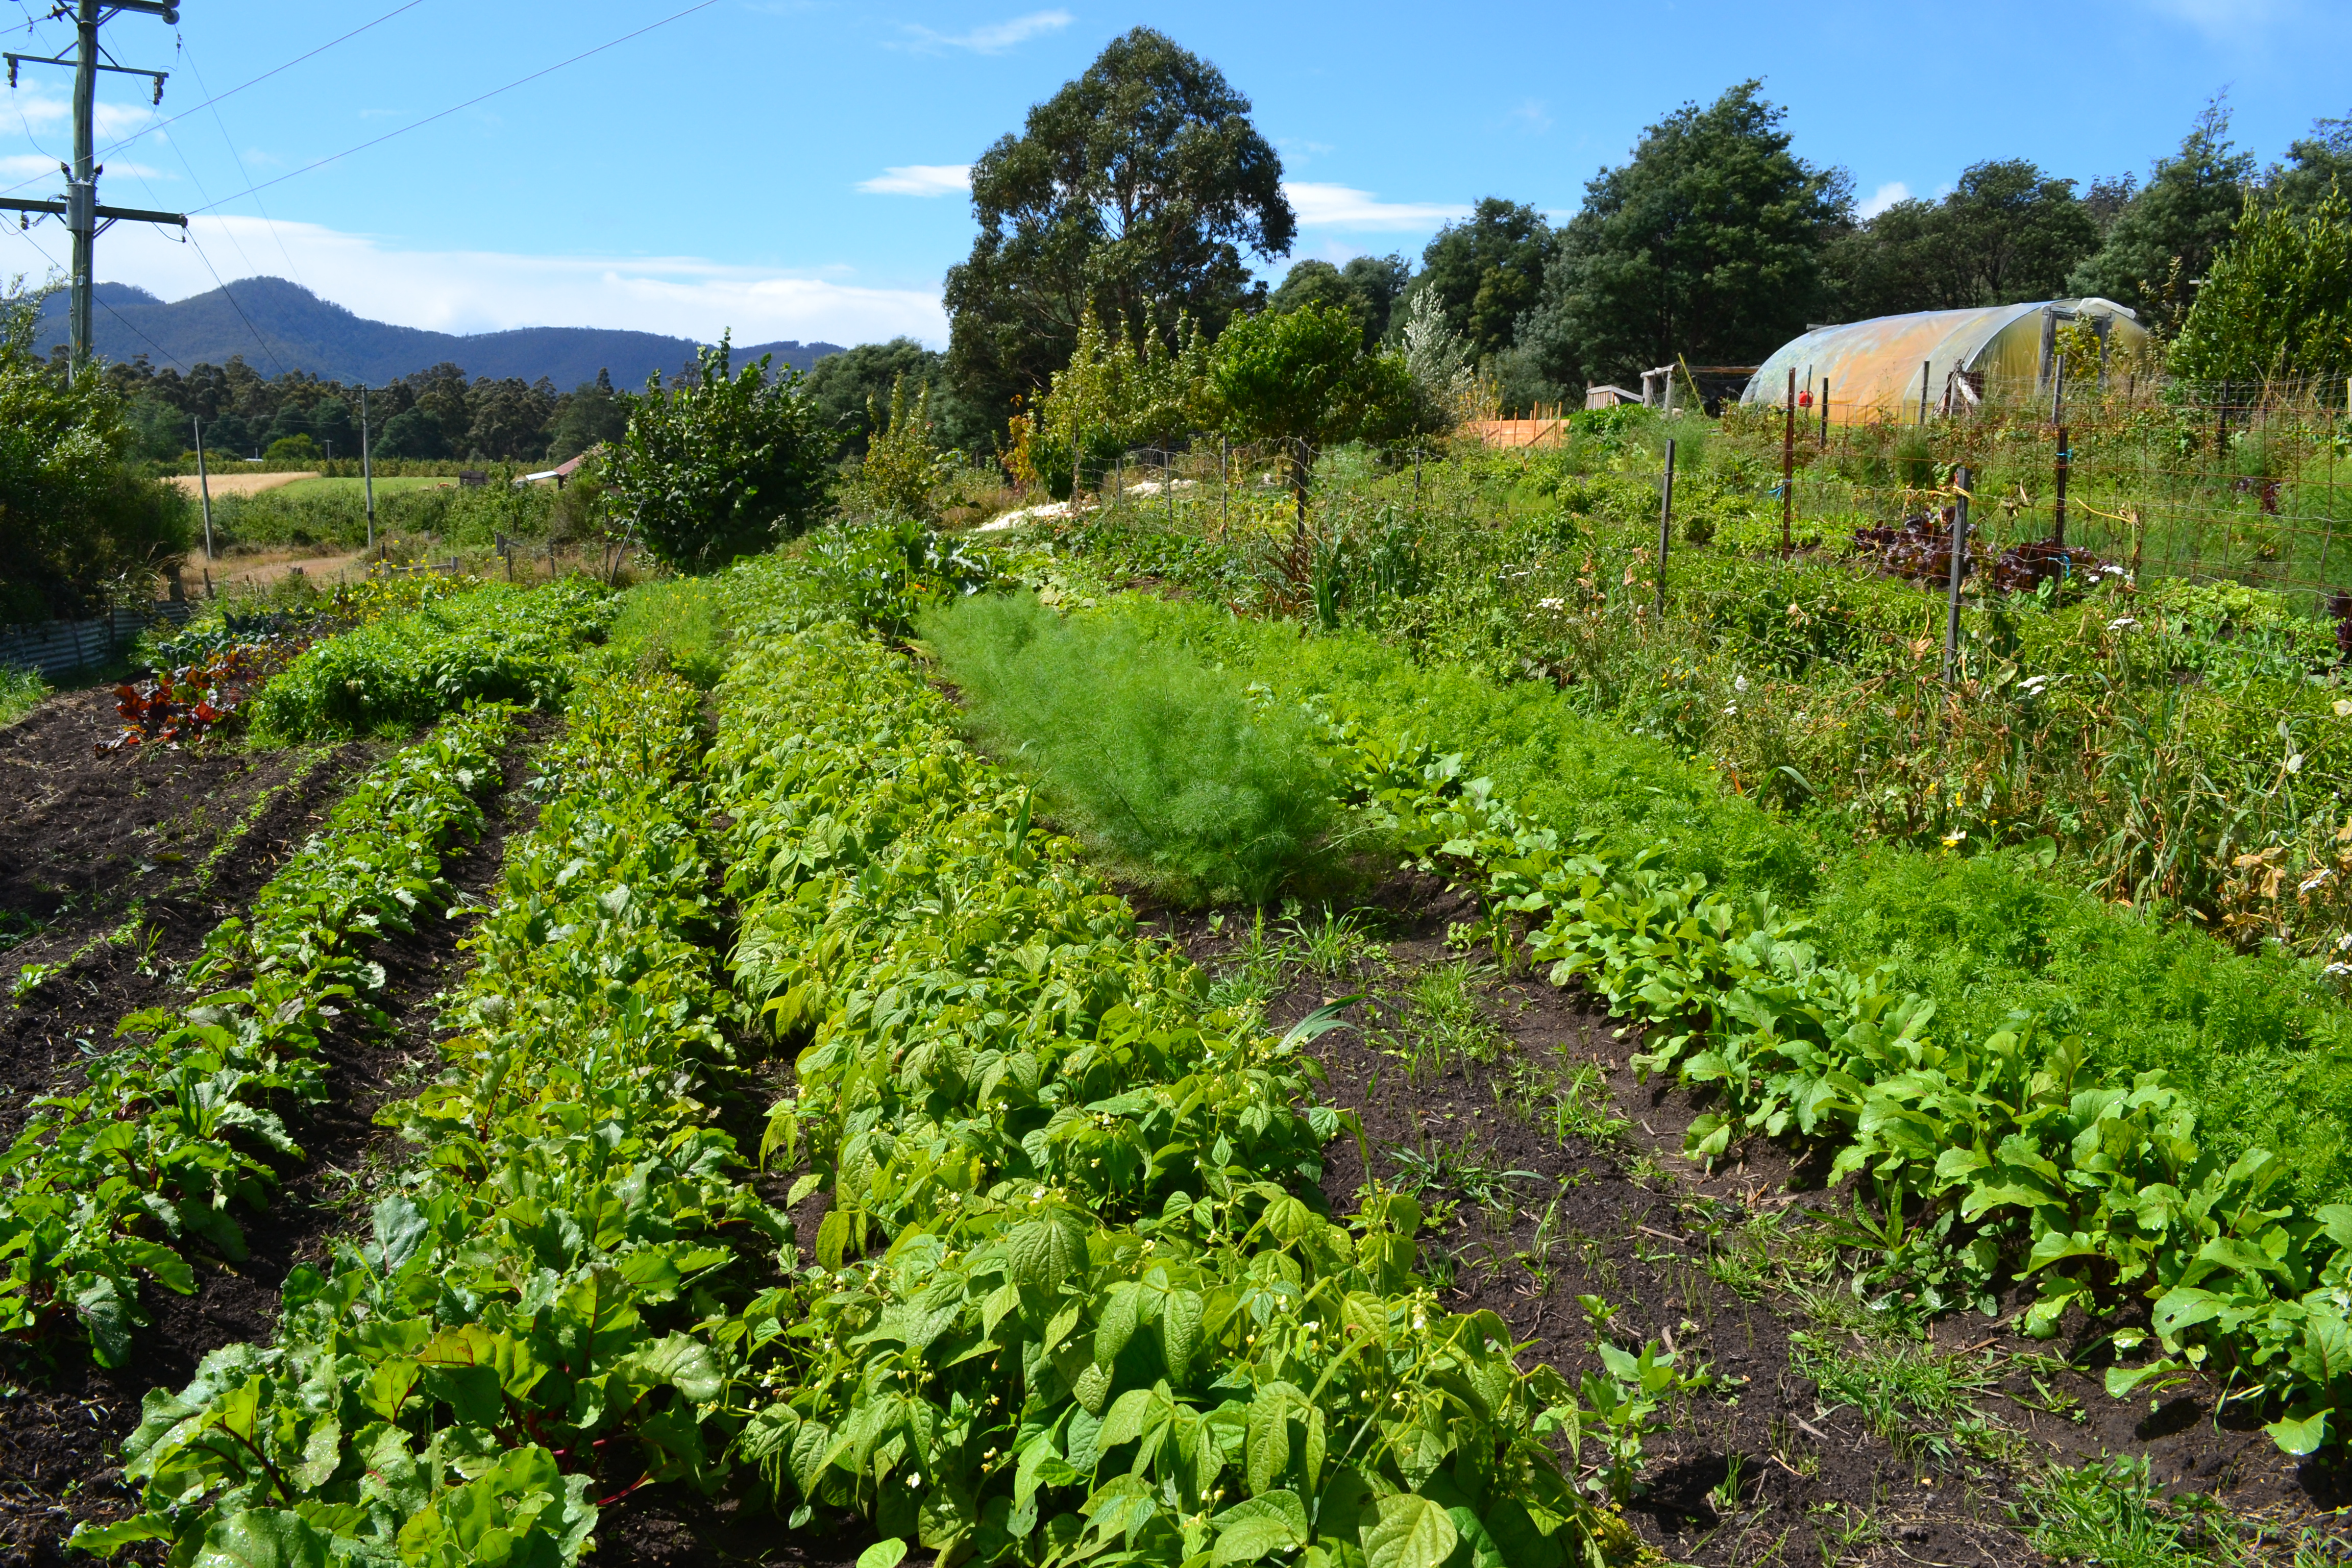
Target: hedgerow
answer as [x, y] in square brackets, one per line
[120, 1180]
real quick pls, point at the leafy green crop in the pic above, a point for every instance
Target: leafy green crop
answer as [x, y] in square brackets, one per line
[124, 1178]
[1074, 1293]
[540, 1320]
[393, 675]
[2105, 1189]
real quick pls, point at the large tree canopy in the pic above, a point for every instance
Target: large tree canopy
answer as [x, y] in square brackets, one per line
[2006, 231]
[2168, 232]
[1707, 244]
[2317, 164]
[2277, 301]
[1136, 188]
[1368, 289]
[1489, 271]
[847, 387]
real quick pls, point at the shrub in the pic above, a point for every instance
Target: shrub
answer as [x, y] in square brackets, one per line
[75, 524]
[1165, 763]
[722, 465]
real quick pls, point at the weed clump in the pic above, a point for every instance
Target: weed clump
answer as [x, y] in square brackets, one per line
[672, 626]
[1165, 765]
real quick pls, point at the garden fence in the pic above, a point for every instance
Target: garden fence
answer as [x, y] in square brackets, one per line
[2249, 484]
[55, 647]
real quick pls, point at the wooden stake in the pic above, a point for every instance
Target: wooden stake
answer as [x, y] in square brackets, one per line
[1959, 563]
[1665, 527]
[1788, 469]
[2058, 512]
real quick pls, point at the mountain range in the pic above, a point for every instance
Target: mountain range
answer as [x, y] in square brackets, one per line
[281, 326]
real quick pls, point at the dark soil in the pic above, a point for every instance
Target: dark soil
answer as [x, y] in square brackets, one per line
[1818, 1483]
[87, 837]
[66, 1418]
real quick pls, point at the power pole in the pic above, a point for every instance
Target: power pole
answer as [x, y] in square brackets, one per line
[85, 219]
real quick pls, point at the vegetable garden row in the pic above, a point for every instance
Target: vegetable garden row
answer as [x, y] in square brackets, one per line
[1028, 1261]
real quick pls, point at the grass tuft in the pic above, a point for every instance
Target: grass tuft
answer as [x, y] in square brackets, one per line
[21, 692]
[673, 626]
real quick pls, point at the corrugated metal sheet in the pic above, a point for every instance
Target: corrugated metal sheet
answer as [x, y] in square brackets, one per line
[1875, 367]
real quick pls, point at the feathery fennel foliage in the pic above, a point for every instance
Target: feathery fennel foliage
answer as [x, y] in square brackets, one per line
[1167, 766]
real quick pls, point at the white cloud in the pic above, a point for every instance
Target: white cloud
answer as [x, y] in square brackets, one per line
[920, 180]
[1531, 116]
[1886, 196]
[113, 121]
[1344, 207]
[481, 291]
[990, 39]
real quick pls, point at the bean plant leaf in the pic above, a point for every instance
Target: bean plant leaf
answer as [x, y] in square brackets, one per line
[883, 1554]
[1047, 1253]
[1411, 1533]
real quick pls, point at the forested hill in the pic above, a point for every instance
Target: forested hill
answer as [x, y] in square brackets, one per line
[284, 326]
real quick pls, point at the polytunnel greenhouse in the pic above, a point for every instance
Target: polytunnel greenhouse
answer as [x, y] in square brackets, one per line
[1931, 363]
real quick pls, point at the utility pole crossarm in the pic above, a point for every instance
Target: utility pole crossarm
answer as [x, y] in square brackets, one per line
[14, 60]
[133, 215]
[83, 214]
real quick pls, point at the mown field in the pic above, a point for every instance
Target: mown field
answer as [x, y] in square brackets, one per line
[1089, 1044]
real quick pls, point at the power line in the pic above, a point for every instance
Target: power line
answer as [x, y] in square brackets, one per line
[229, 142]
[265, 76]
[453, 109]
[234, 306]
[232, 92]
[26, 235]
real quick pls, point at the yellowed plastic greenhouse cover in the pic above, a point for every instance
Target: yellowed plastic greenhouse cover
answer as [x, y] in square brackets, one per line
[1874, 367]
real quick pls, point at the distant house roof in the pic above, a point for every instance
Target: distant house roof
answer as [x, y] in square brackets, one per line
[559, 473]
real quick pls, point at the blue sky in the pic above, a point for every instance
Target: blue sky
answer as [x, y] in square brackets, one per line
[793, 169]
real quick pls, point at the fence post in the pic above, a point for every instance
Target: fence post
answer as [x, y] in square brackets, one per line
[1959, 564]
[2058, 513]
[1825, 416]
[1665, 527]
[204, 487]
[1923, 365]
[1225, 486]
[1788, 469]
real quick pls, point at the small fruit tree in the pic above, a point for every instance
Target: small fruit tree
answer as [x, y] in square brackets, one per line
[1302, 379]
[721, 467]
